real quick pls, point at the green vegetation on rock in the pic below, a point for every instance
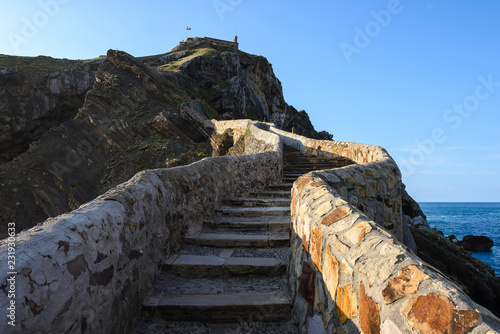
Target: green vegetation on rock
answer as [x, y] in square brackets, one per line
[40, 63]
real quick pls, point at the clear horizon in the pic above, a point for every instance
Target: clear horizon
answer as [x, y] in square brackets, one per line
[421, 79]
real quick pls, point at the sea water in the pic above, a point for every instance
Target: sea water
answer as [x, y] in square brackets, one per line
[461, 219]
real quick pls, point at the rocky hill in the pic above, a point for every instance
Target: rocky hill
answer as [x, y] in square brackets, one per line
[71, 129]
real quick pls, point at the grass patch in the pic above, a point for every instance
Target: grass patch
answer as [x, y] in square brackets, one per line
[40, 63]
[201, 52]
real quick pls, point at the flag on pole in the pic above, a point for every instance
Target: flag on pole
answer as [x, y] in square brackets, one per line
[187, 28]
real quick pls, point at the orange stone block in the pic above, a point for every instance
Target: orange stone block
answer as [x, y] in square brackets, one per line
[317, 184]
[331, 271]
[347, 304]
[406, 283]
[305, 244]
[316, 246]
[369, 312]
[463, 321]
[357, 233]
[429, 314]
[293, 205]
[337, 214]
[303, 182]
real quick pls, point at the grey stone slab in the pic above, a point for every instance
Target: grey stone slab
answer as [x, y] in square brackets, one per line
[249, 224]
[281, 186]
[260, 202]
[196, 260]
[227, 299]
[252, 261]
[238, 240]
[254, 211]
[226, 307]
[229, 240]
[226, 253]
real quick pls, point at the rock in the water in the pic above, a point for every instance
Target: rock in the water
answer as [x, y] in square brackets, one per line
[419, 221]
[476, 243]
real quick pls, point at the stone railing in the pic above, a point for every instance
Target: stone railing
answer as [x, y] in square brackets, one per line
[347, 273]
[89, 270]
[373, 186]
[239, 127]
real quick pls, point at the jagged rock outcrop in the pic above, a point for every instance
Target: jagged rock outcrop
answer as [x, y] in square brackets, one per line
[36, 95]
[410, 206]
[234, 85]
[73, 129]
[129, 122]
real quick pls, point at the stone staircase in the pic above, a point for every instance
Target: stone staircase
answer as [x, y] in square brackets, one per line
[232, 276]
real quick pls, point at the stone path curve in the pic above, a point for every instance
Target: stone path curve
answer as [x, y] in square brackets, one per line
[232, 276]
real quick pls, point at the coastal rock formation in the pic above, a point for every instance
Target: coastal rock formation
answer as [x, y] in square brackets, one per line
[73, 129]
[476, 243]
[36, 95]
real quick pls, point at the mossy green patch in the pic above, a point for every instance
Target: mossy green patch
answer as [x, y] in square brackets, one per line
[40, 63]
[174, 65]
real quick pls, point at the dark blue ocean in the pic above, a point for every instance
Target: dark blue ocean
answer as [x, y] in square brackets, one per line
[461, 219]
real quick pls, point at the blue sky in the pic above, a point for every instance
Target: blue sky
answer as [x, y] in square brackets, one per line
[419, 78]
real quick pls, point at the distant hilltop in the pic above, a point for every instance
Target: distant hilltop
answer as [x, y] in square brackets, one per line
[221, 42]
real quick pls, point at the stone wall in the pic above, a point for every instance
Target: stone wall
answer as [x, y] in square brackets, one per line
[88, 271]
[239, 127]
[349, 275]
[373, 186]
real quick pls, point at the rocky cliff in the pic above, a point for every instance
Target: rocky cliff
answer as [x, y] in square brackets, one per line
[37, 94]
[73, 129]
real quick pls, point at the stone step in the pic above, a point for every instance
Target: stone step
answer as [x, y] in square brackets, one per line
[290, 179]
[229, 240]
[310, 165]
[219, 299]
[289, 174]
[238, 211]
[260, 202]
[311, 161]
[307, 170]
[241, 224]
[215, 266]
[271, 193]
[222, 307]
[281, 186]
[231, 327]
